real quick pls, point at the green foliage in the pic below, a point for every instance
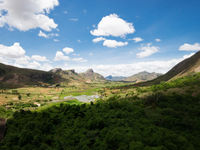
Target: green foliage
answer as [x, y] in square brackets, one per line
[4, 113]
[158, 122]
[178, 83]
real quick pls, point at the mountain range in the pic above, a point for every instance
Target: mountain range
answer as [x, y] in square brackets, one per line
[13, 77]
[139, 77]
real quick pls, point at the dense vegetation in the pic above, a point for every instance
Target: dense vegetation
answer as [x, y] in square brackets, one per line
[158, 117]
[157, 123]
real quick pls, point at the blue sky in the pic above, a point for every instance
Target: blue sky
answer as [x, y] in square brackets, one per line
[134, 36]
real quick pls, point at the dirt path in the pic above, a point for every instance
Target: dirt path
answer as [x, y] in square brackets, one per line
[2, 127]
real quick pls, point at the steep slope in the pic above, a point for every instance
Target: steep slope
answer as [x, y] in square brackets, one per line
[11, 77]
[91, 76]
[186, 67]
[142, 76]
[69, 77]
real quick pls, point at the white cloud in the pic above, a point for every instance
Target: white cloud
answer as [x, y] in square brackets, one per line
[159, 66]
[96, 40]
[79, 59]
[147, 51]
[114, 43]
[188, 56]
[22, 60]
[137, 39]
[68, 50]
[112, 25]
[158, 40]
[74, 54]
[61, 57]
[39, 58]
[14, 51]
[27, 14]
[190, 47]
[42, 34]
[15, 55]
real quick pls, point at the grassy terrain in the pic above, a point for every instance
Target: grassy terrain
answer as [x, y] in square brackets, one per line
[28, 98]
[158, 117]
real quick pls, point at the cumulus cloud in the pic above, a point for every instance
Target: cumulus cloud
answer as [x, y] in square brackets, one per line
[113, 25]
[137, 39]
[147, 51]
[39, 58]
[15, 55]
[42, 34]
[158, 40]
[99, 39]
[159, 66]
[79, 59]
[114, 43]
[190, 47]
[14, 51]
[61, 57]
[68, 50]
[27, 14]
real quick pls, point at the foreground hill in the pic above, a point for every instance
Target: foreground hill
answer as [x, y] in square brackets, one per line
[17, 77]
[186, 67]
[142, 76]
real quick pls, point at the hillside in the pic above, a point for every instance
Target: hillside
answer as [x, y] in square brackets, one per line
[186, 67]
[91, 76]
[73, 78]
[11, 77]
[69, 77]
[142, 76]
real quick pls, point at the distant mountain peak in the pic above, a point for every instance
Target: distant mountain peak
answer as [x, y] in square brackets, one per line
[89, 71]
[56, 70]
[91, 76]
[143, 76]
